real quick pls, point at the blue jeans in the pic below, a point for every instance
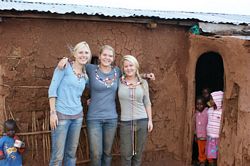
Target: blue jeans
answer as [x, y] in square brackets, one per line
[126, 136]
[101, 134]
[65, 140]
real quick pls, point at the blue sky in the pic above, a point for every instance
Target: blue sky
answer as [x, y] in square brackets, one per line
[211, 6]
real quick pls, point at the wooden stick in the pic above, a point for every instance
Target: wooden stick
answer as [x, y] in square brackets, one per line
[8, 113]
[86, 140]
[32, 129]
[27, 139]
[83, 161]
[4, 109]
[36, 144]
[44, 153]
[48, 148]
[39, 132]
[80, 147]
[45, 135]
[32, 87]
[87, 143]
[12, 116]
[48, 135]
[34, 133]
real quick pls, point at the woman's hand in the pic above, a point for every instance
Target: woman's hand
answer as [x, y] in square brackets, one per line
[151, 76]
[53, 120]
[88, 101]
[150, 125]
[62, 63]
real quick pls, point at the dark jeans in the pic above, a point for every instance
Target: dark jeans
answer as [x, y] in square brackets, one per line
[140, 136]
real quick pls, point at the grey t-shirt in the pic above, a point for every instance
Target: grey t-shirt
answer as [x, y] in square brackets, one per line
[102, 104]
[133, 110]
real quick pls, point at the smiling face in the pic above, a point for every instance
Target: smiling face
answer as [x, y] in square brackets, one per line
[106, 57]
[129, 68]
[82, 55]
[200, 105]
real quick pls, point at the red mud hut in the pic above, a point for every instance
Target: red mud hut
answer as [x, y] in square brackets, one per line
[186, 51]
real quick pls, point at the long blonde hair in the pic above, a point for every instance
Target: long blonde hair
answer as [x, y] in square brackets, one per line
[81, 45]
[74, 50]
[133, 60]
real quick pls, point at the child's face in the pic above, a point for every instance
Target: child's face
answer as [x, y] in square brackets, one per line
[10, 130]
[200, 105]
[205, 93]
[212, 103]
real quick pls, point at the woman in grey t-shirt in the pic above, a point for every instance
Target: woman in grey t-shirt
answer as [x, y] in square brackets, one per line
[136, 114]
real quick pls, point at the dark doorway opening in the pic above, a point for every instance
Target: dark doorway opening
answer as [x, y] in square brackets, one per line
[209, 74]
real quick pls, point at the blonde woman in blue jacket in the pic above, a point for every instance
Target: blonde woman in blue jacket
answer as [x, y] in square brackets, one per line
[66, 111]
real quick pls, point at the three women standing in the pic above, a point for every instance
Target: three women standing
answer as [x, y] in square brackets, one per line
[102, 117]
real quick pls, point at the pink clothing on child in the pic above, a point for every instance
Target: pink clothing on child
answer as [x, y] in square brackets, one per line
[213, 126]
[201, 119]
[214, 116]
[212, 148]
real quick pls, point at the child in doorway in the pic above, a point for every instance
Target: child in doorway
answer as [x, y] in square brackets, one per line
[213, 126]
[206, 94]
[201, 119]
[11, 147]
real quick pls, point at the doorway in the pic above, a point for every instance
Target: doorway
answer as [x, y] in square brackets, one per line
[209, 74]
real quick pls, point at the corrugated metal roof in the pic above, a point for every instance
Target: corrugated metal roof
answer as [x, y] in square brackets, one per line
[121, 12]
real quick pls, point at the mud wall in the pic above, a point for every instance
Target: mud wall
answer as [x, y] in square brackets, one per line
[30, 49]
[234, 138]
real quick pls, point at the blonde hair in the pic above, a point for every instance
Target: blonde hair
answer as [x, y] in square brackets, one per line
[108, 47]
[133, 60]
[81, 45]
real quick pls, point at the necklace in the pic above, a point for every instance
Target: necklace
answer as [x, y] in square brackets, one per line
[108, 82]
[78, 75]
[130, 85]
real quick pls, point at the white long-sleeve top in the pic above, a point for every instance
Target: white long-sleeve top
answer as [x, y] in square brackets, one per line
[214, 121]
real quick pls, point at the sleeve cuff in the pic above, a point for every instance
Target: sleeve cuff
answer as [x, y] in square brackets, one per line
[52, 95]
